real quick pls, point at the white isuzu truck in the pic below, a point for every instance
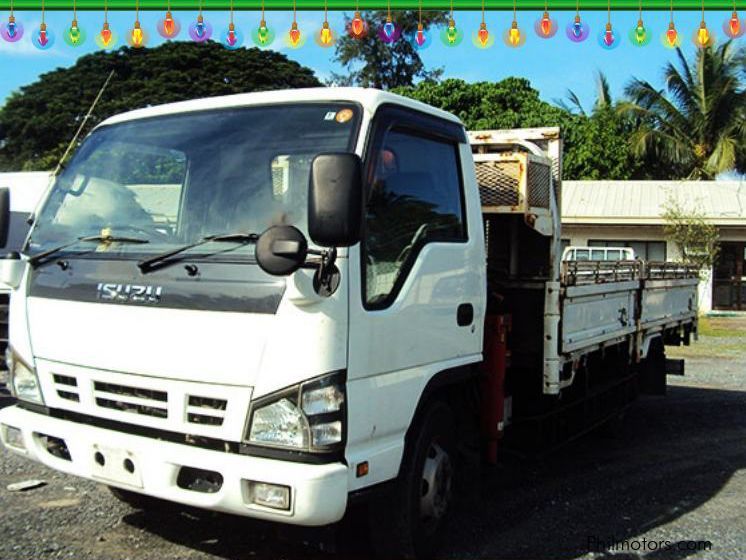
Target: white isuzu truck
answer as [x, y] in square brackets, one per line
[275, 304]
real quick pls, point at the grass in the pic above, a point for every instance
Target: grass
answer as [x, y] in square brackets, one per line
[719, 337]
[728, 327]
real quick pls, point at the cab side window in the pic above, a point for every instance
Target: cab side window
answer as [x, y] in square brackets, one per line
[415, 197]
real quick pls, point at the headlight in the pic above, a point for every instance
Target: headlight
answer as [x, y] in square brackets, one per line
[306, 417]
[280, 423]
[23, 381]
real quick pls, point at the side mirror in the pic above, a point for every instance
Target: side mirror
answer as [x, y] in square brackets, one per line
[281, 250]
[335, 200]
[4, 216]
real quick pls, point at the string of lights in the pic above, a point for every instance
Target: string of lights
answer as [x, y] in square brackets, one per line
[388, 31]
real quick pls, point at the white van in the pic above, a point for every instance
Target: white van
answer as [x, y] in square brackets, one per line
[598, 254]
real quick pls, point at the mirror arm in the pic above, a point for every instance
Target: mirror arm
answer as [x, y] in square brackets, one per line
[324, 264]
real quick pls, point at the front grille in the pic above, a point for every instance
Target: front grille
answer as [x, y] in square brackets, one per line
[66, 387]
[134, 400]
[65, 380]
[206, 410]
[181, 406]
[132, 407]
[128, 391]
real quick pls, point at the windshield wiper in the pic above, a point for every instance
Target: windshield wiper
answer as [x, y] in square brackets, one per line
[159, 261]
[38, 257]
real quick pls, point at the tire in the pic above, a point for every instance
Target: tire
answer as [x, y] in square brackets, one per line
[407, 520]
[140, 501]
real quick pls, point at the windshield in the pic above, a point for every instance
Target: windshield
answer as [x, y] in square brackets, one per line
[174, 180]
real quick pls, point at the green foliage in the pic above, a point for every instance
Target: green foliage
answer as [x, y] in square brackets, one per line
[596, 146]
[697, 129]
[697, 239]
[372, 63]
[37, 123]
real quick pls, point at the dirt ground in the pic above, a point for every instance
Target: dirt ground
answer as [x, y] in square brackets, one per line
[672, 480]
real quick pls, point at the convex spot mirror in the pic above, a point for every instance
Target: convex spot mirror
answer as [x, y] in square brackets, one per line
[335, 200]
[281, 250]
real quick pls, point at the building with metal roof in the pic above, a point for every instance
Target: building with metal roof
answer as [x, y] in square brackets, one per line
[630, 214]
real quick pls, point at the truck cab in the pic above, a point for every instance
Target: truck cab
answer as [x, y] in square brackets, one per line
[155, 351]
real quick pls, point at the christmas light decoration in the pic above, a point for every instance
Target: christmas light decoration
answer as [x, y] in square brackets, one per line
[670, 38]
[732, 27]
[483, 34]
[263, 36]
[11, 31]
[295, 39]
[231, 38]
[106, 38]
[200, 30]
[325, 38]
[43, 37]
[168, 27]
[702, 37]
[608, 39]
[136, 37]
[389, 31]
[639, 35]
[357, 27]
[513, 36]
[482, 39]
[451, 35]
[545, 26]
[577, 31]
[74, 36]
[421, 37]
[294, 34]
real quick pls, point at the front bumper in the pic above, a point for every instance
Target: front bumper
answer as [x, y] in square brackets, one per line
[318, 492]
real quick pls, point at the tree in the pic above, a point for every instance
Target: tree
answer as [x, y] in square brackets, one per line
[695, 127]
[596, 146]
[37, 123]
[372, 63]
[696, 238]
[603, 97]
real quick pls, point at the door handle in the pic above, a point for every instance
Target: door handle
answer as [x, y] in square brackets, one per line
[465, 314]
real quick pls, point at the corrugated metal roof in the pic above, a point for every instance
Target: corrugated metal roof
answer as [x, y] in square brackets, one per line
[643, 202]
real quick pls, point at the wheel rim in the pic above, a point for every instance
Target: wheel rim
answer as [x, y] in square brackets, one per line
[437, 478]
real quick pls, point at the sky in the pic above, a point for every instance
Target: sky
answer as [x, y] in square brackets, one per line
[552, 65]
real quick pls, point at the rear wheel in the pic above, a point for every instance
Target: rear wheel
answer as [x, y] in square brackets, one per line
[406, 521]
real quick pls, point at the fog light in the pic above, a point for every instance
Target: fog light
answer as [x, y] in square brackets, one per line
[269, 495]
[14, 438]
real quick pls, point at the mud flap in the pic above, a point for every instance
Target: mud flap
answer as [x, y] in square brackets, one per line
[652, 378]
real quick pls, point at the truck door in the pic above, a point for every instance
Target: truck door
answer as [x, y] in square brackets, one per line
[417, 307]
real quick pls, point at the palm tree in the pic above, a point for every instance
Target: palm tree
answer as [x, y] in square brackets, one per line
[696, 126]
[603, 98]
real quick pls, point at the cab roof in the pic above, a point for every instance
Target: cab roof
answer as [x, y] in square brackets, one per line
[369, 99]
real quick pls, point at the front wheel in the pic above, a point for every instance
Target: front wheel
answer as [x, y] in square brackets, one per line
[406, 521]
